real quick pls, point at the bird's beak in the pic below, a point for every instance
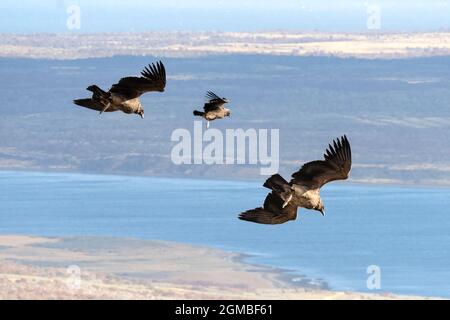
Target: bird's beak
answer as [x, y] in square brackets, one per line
[322, 212]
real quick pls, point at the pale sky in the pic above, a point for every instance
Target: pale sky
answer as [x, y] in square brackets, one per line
[226, 15]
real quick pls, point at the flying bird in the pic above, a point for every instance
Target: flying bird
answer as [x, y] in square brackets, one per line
[213, 108]
[124, 95]
[303, 190]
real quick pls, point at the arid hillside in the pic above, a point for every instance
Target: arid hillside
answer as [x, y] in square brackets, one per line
[188, 44]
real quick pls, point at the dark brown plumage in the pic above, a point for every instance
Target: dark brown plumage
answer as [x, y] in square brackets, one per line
[336, 166]
[213, 108]
[272, 211]
[304, 188]
[124, 95]
[153, 79]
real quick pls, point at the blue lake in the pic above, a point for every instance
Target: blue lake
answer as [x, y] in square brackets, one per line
[404, 231]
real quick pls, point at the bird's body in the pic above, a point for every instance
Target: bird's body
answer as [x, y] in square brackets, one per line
[217, 114]
[213, 109]
[304, 197]
[120, 102]
[304, 188]
[125, 95]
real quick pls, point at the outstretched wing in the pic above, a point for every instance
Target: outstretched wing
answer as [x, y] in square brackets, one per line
[272, 212]
[336, 166]
[153, 79]
[214, 102]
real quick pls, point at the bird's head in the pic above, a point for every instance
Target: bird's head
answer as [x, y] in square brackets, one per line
[140, 112]
[228, 113]
[320, 207]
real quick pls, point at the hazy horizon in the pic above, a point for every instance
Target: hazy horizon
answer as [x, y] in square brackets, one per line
[246, 15]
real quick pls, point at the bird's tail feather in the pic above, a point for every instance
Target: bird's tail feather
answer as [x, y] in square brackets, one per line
[198, 113]
[95, 89]
[98, 93]
[281, 187]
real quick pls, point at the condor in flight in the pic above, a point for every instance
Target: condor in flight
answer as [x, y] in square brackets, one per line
[213, 108]
[124, 95]
[304, 188]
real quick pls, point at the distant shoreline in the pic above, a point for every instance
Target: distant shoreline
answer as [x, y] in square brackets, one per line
[372, 45]
[123, 268]
[260, 179]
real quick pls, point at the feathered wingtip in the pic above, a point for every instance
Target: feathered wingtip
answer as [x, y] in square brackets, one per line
[340, 147]
[155, 72]
[257, 215]
[212, 97]
[263, 216]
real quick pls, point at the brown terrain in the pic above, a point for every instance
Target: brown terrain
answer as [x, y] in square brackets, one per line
[187, 44]
[112, 268]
